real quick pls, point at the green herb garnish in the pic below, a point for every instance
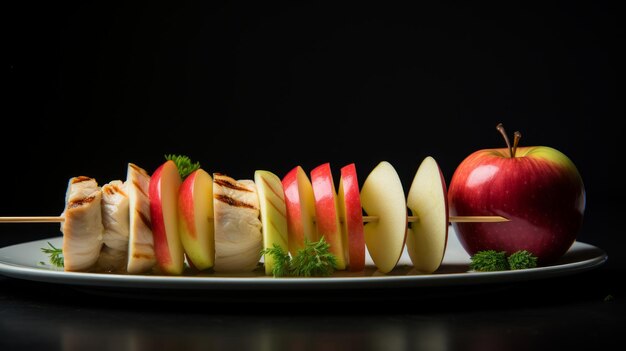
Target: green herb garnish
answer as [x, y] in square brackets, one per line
[282, 260]
[56, 255]
[184, 164]
[314, 260]
[489, 261]
[522, 260]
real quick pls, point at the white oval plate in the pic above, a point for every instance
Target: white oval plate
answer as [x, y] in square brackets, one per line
[27, 261]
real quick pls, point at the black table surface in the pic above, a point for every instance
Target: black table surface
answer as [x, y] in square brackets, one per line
[582, 311]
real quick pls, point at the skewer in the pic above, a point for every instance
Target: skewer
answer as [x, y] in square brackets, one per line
[458, 219]
[32, 219]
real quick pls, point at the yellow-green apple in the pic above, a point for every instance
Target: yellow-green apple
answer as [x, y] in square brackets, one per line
[427, 236]
[326, 212]
[351, 215]
[163, 193]
[273, 214]
[195, 211]
[382, 196]
[537, 188]
[300, 205]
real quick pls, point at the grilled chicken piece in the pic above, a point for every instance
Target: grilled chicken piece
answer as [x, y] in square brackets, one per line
[115, 218]
[238, 238]
[82, 228]
[141, 257]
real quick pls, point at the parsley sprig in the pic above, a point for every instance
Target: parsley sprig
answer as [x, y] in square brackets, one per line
[184, 164]
[313, 260]
[491, 261]
[55, 254]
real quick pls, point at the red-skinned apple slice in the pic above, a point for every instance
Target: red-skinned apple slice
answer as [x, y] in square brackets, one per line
[300, 205]
[163, 193]
[195, 210]
[326, 214]
[427, 237]
[350, 210]
[382, 196]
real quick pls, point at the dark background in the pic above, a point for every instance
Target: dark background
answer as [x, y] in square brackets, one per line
[91, 86]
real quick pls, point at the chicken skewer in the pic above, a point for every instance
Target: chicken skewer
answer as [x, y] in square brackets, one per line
[115, 220]
[108, 228]
[82, 229]
[141, 255]
[452, 219]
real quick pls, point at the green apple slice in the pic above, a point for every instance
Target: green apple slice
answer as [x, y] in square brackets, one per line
[427, 200]
[273, 214]
[382, 196]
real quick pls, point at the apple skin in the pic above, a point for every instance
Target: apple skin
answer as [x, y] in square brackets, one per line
[326, 212]
[195, 207]
[300, 206]
[540, 191]
[163, 194]
[352, 213]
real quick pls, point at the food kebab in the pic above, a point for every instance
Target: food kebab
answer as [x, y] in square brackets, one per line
[225, 223]
[109, 228]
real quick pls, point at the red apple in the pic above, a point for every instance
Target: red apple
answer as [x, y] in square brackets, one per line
[351, 213]
[300, 205]
[163, 194]
[537, 188]
[326, 212]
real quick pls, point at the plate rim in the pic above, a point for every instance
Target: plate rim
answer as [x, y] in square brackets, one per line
[119, 281]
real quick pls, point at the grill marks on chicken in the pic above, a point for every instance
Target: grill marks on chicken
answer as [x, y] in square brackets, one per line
[115, 218]
[109, 229]
[82, 229]
[238, 238]
[141, 256]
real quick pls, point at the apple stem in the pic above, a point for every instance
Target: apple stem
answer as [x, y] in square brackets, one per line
[500, 129]
[516, 137]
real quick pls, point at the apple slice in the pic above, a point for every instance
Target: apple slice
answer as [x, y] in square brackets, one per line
[382, 196]
[300, 205]
[350, 211]
[427, 237]
[195, 225]
[163, 193]
[326, 214]
[273, 213]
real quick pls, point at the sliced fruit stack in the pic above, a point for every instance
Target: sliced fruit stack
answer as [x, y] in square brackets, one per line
[220, 223]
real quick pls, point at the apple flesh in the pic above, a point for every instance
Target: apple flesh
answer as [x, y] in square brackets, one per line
[326, 212]
[300, 206]
[382, 195]
[163, 193]
[195, 210]
[273, 214]
[427, 237]
[351, 215]
[537, 188]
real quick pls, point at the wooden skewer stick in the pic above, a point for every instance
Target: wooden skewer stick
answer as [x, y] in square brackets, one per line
[458, 219]
[32, 219]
